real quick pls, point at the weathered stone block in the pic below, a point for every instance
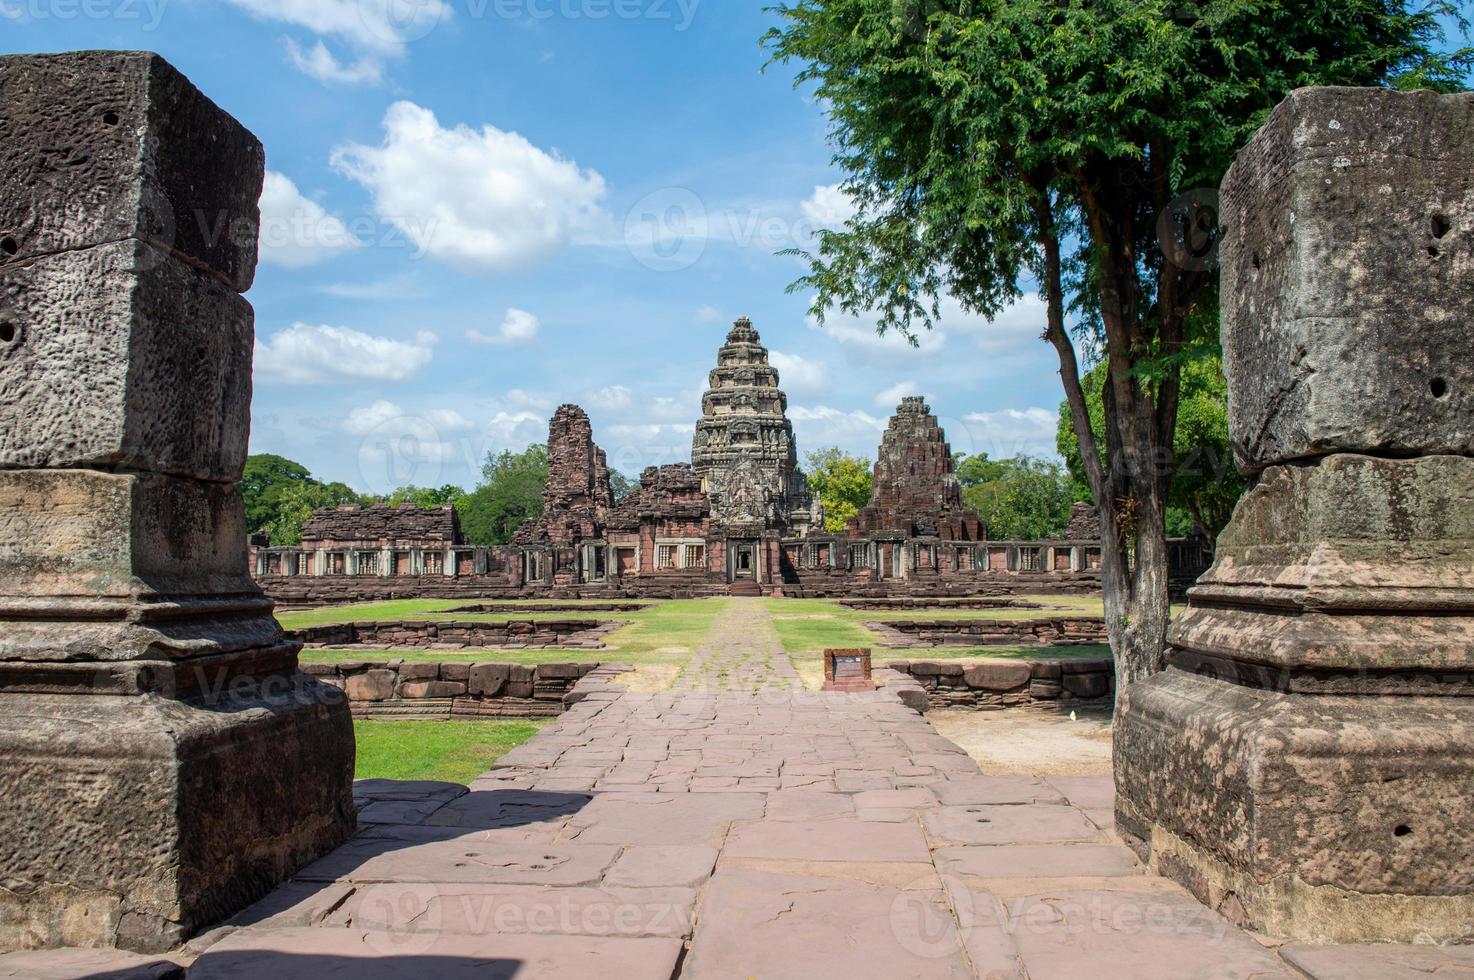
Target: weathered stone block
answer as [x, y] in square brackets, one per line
[1326, 818]
[418, 690]
[419, 672]
[455, 672]
[1045, 690]
[557, 672]
[121, 356]
[102, 146]
[487, 680]
[520, 681]
[373, 685]
[999, 676]
[137, 821]
[1087, 685]
[86, 532]
[1347, 273]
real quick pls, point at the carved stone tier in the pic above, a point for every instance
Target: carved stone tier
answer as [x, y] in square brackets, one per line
[916, 489]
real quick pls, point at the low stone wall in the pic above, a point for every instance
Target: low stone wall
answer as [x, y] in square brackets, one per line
[881, 604]
[397, 689]
[575, 634]
[1059, 631]
[551, 607]
[306, 591]
[819, 584]
[995, 684]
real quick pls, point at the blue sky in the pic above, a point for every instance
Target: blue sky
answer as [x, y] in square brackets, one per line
[479, 209]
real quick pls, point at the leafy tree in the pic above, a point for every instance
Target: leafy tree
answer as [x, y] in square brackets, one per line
[298, 503]
[510, 494]
[1205, 484]
[841, 482]
[429, 497]
[992, 144]
[621, 485]
[1019, 499]
[267, 478]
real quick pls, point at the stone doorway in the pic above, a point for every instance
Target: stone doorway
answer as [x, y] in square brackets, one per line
[743, 563]
[625, 560]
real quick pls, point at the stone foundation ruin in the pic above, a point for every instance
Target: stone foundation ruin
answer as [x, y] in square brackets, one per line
[164, 761]
[738, 520]
[1305, 765]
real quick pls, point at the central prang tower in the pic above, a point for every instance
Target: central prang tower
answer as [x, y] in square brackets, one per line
[744, 448]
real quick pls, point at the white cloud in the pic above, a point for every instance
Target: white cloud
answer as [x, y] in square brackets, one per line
[611, 399]
[707, 313]
[484, 200]
[306, 354]
[374, 30]
[829, 207]
[891, 397]
[402, 286]
[518, 327]
[1014, 331]
[320, 63]
[296, 231]
[515, 430]
[519, 399]
[799, 375]
[1010, 431]
[816, 428]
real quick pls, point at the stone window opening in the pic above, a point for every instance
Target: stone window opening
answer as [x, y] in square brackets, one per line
[963, 560]
[368, 563]
[1030, 560]
[304, 564]
[337, 564]
[665, 556]
[434, 563]
[859, 556]
[534, 567]
[695, 556]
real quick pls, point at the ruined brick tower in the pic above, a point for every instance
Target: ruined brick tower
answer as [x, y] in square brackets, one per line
[577, 498]
[744, 447]
[162, 761]
[916, 490]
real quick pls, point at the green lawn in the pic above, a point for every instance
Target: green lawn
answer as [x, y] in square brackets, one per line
[395, 610]
[443, 751]
[666, 633]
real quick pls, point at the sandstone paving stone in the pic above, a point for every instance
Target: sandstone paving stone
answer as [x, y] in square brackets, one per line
[1382, 961]
[839, 839]
[359, 954]
[662, 866]
[508, 808]
[897, 798]
[1086, 792]
[775, 926]
[1146, 936]
[1038, 861]
[643, 818]
[984, 824]
[295, 904]
[997, 790]
[480, 859]
[808, 804]
[482, 909]
[94, 964]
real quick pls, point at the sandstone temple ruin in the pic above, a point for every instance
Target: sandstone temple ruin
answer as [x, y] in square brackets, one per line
[738, 519]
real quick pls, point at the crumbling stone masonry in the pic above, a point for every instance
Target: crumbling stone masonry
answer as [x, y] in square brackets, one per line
[162, 761]
[1306, 765]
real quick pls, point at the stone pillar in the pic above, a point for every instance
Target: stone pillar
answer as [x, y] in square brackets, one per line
[162, 761]
[1306, 765]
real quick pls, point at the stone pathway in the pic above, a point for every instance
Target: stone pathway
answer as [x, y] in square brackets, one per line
[737, 827]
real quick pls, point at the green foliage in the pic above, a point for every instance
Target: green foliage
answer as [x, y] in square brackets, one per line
[297, 505]
[510, 494]
[841, 482]
[1018, 499]
[267, 478]
[1205, 483]
[429, 497]
[621, 485]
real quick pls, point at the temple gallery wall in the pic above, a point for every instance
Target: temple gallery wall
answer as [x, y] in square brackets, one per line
[739, 519]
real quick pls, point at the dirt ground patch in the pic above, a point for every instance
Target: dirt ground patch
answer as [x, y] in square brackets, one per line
[1024, 741]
